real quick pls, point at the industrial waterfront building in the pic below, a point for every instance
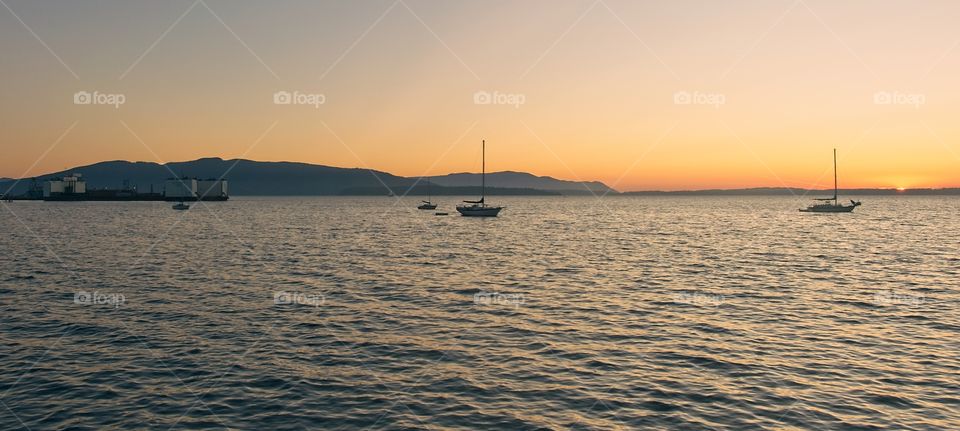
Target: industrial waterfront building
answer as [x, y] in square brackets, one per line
[74, 188]
[195, 189]
[68, 186]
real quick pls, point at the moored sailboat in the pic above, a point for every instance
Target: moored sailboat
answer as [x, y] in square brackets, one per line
[825, 205]
[479, 208]
[427, 205]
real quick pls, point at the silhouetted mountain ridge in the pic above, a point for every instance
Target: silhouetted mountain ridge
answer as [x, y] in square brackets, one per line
[248, 177]
[522, 180]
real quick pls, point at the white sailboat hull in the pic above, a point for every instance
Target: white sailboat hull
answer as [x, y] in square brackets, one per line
[829, 209]
[478, 211]
[479, 208]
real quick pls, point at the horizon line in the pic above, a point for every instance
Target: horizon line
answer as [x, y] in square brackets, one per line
[579, 181]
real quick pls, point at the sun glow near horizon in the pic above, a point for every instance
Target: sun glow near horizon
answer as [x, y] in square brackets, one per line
[638, 96]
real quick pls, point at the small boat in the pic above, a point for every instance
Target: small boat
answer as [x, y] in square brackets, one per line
[440, 214]
[427, 205]
[181, 206]
[825, 205]
[479, 208]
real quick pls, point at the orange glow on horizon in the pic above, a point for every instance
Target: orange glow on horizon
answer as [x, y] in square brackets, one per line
[701, 103]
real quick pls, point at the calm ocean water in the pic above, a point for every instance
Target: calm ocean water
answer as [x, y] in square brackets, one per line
[564, 313]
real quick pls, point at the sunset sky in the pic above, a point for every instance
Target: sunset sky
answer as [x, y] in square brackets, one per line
[591, 90]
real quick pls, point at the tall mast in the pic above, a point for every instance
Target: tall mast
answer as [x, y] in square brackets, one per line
[835, 176]
[483, 170]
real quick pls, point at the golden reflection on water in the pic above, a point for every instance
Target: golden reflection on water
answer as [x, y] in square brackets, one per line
[633, 313]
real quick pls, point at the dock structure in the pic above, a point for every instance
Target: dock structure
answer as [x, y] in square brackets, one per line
[74, 188]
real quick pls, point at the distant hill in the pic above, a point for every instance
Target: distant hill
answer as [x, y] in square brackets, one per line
[248, 177]
[510, 179]
[423, 190]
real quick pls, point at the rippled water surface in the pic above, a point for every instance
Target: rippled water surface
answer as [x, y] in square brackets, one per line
[563, 313]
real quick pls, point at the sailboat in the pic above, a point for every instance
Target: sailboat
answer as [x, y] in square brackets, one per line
[479, 208]
[825, 205]
[427, 205]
